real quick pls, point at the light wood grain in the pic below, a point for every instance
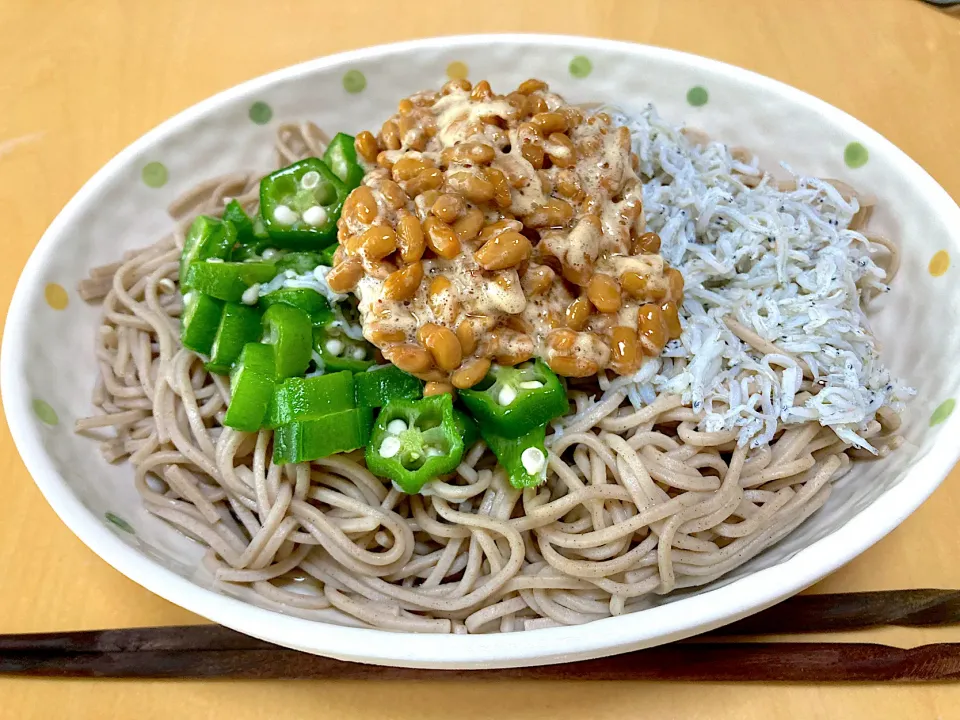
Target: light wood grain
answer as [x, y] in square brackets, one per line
[79, 81]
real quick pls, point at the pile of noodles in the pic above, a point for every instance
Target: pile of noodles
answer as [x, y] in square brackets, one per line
[636, 501]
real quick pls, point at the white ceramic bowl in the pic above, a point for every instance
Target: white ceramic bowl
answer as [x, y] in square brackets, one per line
[48, 365]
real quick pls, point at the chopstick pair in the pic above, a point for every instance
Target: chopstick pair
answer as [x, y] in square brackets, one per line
[211, 651]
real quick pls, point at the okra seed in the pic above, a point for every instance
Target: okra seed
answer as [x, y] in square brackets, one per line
[531, 385]
[284, 215]
[334, 347]
[315, 216]
[310, 180]
[251, 295]
[434, 452]
[358, 353]
[269, 253]
[506, 395]
[533, 460]
[395, 427]
[389, 447]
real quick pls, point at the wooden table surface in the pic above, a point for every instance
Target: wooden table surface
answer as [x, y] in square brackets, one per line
[81, 80]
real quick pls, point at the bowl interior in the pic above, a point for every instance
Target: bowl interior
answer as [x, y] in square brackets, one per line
[49, 366]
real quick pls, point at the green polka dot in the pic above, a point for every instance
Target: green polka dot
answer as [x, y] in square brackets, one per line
[119, 522]
[855, 155]
[261, 113]
[46, 413]
[942, 412]
[154, 174]
[581, 66]
[354, 81]
[697, 96]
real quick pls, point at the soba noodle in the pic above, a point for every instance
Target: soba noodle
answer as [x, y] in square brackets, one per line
[637, 501]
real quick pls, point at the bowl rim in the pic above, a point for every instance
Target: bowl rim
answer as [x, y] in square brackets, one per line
[664, 623]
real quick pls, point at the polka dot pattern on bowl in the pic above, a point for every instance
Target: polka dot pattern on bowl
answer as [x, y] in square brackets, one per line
[697, 96]
[46, 414]
[939, 263]
[154, 174]
[943, 411]
[354, 81]
[260, 113]
[855, 155]
[457, 70]
[120, 523]
[56, 296]
[580, 66]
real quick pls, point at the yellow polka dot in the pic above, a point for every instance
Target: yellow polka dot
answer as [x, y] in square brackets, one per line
[939, 263]
[457, 70]
[56, 296]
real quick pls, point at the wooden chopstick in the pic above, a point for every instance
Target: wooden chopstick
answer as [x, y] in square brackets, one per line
[851, 611]
[208, 651]
[754, 662]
